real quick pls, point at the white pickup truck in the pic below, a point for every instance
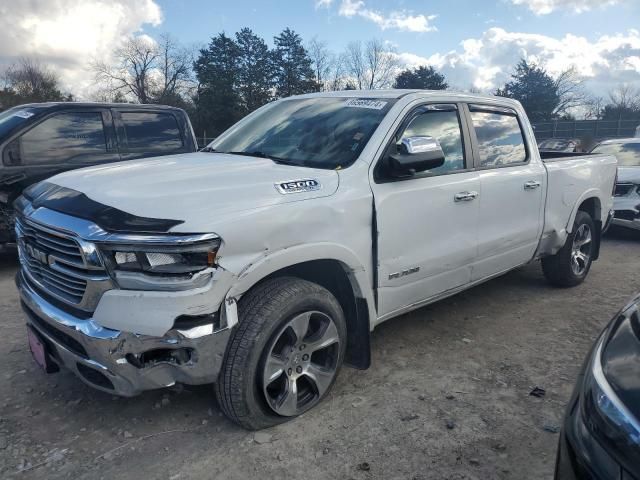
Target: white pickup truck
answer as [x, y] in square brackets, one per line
[263, 263]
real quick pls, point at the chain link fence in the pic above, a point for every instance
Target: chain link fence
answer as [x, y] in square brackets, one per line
[586, 129]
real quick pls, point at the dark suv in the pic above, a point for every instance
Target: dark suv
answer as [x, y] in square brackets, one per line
[41, 140]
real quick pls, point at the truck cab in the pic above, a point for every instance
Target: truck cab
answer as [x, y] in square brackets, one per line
[262, 263]
[41, 140]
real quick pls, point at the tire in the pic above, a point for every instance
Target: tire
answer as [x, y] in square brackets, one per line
[271, 337]
[570, 266]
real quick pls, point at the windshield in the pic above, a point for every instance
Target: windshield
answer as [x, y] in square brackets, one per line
[315, 132]
[627, 154]
[13, 118]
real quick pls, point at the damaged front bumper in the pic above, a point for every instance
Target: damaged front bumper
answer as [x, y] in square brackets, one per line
[124, 363]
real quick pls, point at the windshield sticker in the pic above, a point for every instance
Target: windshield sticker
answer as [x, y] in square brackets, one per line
[23, 114]
[365, 103]
[298, 186]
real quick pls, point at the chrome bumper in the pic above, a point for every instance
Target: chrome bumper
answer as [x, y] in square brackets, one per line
[114, 361]
[620, 222]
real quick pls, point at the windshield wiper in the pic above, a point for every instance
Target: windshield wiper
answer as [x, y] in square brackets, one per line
[261, 154]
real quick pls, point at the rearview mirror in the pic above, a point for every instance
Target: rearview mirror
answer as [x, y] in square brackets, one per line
[417, 154]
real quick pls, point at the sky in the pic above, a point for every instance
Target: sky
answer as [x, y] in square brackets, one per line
[475, 43]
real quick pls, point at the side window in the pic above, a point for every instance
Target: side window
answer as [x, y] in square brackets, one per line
[152, 131]
[444, 126]
[62, 137]
[500, 138]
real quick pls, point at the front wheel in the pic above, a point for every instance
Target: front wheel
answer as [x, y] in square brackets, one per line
[284, 355]
[570, 266]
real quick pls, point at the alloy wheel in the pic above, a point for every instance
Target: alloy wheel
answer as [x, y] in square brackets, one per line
[581, 250]
[301, 363]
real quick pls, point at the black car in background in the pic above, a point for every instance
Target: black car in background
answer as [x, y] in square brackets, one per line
[600, 437]
[41, 140]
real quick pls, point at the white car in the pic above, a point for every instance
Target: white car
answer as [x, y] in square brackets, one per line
[263, 263]
[627, 194]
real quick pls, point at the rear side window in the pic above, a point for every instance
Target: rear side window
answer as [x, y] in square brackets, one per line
[444, 126]
[152, 131]
[63, 137]
[500, 138]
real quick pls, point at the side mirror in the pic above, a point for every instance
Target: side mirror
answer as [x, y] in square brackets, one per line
[417, 154]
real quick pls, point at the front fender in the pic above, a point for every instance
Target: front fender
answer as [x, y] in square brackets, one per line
[273, 261]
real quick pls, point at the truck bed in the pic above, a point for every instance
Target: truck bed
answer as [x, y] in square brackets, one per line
[571, 178]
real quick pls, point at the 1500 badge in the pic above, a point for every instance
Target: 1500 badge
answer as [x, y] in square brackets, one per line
[298, 186]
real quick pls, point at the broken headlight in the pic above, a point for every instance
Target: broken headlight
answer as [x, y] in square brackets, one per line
[162, 259]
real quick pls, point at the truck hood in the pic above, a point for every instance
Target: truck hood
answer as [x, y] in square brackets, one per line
[195, 186]
[629, 175]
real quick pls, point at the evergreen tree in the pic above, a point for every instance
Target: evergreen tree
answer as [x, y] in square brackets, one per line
[535, 89]
[422, 77]
[293, 72]
[218, 72]
[255, 70]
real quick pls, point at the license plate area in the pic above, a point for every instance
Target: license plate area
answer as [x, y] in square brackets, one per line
[40, 351]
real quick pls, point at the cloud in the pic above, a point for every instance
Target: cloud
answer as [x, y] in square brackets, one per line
[67, 34]
[487, 62]
[323, 3]
[544, 7]
[399, 20]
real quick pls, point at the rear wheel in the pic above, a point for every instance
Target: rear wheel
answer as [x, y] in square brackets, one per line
[570, 266]
[284, 355]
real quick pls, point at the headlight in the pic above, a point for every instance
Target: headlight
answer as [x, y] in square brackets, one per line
[162, 259]
[604, 413]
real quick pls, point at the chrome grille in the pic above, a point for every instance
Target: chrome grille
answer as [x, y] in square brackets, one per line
[55, 263]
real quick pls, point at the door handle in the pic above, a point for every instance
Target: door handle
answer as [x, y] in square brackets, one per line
[465, 196]
[531, 185]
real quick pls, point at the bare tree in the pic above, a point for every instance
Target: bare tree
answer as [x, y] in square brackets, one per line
[371, 67]
[31, 81]
[382, 65]
[174, 63]
[322, 61]
[336, 80]
[132, 69]
[570, 89]
[625, 97]
[594, 108]
[355, 64]
[147, 70]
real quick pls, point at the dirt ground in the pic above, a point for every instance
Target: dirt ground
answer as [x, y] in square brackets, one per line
[447, 396]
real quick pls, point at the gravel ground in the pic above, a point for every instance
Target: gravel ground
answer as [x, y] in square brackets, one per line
[447, 396]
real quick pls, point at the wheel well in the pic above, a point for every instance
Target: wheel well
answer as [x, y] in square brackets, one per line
[332, 275]
[593, 208]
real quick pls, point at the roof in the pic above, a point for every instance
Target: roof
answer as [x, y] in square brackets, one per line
[398, 93]
[67, 105]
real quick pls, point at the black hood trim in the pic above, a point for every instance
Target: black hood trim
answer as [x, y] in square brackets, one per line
[71, 202]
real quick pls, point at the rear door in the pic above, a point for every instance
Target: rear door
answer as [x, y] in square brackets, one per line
[426, 223]
[148, 133]
[512, 183]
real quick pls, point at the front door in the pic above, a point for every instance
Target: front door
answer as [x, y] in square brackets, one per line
[427, 223]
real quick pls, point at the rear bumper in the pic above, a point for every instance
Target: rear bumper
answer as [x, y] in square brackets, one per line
[120, 362]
